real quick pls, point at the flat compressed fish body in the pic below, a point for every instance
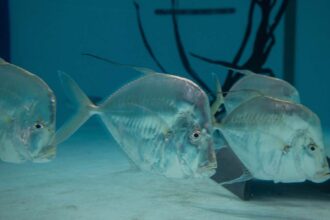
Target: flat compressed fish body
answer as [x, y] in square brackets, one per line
[162, 122]
[27, 121]
[150, 116]
[254, 85]
[277, 140]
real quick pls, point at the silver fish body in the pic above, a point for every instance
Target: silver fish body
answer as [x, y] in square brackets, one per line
[27, 119]
[277, 140]
[162, 122]
[254, 85]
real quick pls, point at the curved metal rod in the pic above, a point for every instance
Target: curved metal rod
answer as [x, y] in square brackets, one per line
[144, 38]
[183, 56]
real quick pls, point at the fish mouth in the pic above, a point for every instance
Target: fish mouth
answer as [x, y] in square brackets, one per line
[321, 177]
[327, 174]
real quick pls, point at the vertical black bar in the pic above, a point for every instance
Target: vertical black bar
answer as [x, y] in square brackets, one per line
[290, 41]
[4, 30]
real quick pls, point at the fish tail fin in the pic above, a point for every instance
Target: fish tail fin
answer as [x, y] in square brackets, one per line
[84, 111]
[219, 100]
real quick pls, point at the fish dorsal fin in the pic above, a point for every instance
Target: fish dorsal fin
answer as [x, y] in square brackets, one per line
[242, 71]
[143, 70]
[219, 100]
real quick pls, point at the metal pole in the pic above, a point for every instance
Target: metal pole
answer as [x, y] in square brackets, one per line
[290, 42]
[4, 30]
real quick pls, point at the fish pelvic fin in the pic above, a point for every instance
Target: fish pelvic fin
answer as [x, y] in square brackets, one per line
[84, 111]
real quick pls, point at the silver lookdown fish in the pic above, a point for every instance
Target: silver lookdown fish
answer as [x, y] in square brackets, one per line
[27, 116]
[252, 85]
[277, 140]
[162, 122]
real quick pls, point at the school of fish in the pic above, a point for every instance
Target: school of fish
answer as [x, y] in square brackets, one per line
[274, 136]
[165, 124]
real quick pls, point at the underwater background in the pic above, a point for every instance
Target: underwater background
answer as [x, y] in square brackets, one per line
[86, 181]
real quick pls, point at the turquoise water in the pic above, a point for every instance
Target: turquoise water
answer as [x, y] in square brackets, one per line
[91, 178]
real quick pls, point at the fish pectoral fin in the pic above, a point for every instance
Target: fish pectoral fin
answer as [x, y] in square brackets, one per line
[246, 175]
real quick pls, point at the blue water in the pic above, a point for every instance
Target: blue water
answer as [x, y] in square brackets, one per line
[91, 177]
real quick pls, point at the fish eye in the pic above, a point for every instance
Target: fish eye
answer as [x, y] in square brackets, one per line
[196, 134]
[38, 125]
[312, 147]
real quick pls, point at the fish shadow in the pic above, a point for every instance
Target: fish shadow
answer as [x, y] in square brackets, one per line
[265, 190]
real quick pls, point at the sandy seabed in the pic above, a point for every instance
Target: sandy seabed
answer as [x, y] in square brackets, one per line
[91, 179]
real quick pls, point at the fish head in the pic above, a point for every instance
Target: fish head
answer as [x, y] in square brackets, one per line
[314, 162]
[196, 153]
[312, 157]
[42, 148]
[39, 130]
